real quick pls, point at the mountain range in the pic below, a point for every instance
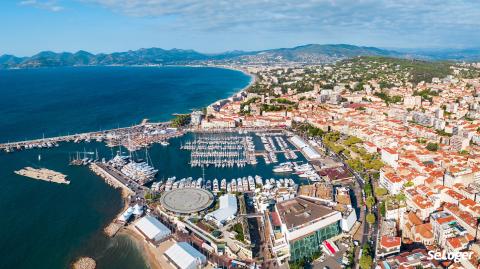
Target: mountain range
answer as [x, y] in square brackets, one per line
[307, 54]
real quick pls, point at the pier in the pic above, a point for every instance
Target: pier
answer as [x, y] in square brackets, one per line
[113, 178]
[133, 137]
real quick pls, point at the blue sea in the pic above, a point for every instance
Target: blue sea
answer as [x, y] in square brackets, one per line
[45, 225]
[55, 101]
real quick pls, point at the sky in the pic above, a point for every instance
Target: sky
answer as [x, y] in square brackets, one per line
[30, 26]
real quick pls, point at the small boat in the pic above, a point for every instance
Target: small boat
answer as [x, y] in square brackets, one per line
[164, 143]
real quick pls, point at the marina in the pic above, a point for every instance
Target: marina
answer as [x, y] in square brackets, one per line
[235, 185]
[221, 151]
[218, 163]
[81, 114]
[228, 149]
[224, 167]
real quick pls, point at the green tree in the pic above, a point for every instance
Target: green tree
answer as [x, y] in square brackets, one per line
[380, 191]
[332, 136]
[181, 120]
[432, 146]
[370, 218]
[352, 140]
[367, 188]
[366, 249]
[366, 261]
[370, 202]
[313, 131]
[374, 164]
[382, 208]
[355, 164]
[401, 197]
[238, 229]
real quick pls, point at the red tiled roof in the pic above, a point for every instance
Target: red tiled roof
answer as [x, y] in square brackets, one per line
[390, 241]
[276, 219]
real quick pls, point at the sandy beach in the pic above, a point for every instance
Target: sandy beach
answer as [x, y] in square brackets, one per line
[152, 255]
[252, 80]
[252, 76]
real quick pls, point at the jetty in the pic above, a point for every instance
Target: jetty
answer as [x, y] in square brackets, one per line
[112, 177]
[43, 174]
[133, 138]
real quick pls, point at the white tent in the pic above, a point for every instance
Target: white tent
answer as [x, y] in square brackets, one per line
[184, 256]
[126, 215]
[226, 210]
[305, 148]
[152, 228]
[137, 210]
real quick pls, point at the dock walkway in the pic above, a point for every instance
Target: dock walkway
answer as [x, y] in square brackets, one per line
[110, 134]
[112, 177]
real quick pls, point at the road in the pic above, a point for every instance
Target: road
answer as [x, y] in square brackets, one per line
[138, 190]
[369, 234]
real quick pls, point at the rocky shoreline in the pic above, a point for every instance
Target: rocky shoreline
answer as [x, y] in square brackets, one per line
[84, 263]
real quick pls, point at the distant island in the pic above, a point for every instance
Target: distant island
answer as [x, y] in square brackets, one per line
[306, 54]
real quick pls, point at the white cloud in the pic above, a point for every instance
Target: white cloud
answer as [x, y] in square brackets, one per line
[383, 21]
[303, 15]
[51, 5]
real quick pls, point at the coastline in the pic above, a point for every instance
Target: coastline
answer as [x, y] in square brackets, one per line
[113, 227]
[147, 253]
[146, 250]
[253, 78]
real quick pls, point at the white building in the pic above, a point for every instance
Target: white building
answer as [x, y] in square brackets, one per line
[152, 229]
[184, 256]
[196, 118]
[226, 210]
[391, 182]
[304, 225]
[412, 101]
[459, 143]
[390, 157]
[218, 123]
[445, 226]
[309, 151]
[349, 219]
